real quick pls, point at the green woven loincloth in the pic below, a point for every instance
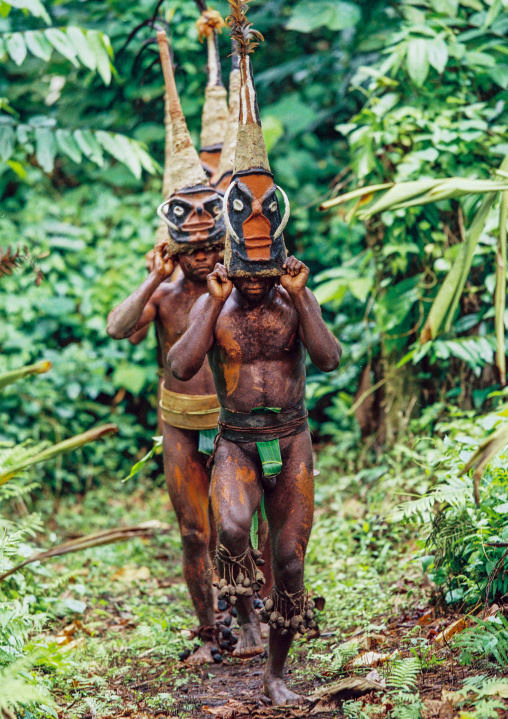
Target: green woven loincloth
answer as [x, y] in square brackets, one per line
[206, 440]
[269, 452]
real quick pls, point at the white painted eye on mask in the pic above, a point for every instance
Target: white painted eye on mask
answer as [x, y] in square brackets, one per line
[273, 206]
[238, 205]
[216, 209]
[179, 211]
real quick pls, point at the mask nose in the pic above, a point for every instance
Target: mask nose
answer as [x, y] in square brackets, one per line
[256, 207]
[199, 209]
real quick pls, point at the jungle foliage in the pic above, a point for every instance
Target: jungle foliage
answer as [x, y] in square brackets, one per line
[351, 94]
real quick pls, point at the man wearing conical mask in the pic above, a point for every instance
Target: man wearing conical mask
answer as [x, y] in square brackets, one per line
[195, 230]
[256, 323]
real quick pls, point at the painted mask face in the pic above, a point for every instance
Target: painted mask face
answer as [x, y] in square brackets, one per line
[255, 224]
[194, 217]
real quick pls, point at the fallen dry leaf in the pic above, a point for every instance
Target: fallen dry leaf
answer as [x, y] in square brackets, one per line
[431, 708]
[452, 698]
[227, 711]
[454, 628]
[375, 676]
[373, 659]
[329, 696]
[130, 574]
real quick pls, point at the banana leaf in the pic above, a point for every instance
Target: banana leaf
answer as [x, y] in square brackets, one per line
[7, 378]
[68, 445]
[97, 539]
[487, 449]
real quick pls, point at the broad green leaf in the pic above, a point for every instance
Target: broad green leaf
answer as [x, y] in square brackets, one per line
[156, 449]
[61, 42]
[417, 60]
[332, 290]
[359, 192]
[38, 44]
[499, 73]
[308, 15]
[80, 42]
[437, 52]
[398, 193]
[89, 146]
[118, 146]
[273, 130]
[68, 145]
[18, 168]
[45, 148]
[146, 161]
[16, 47]
[7, 138]
[360, 288]
[5, 8]
[130, 376]
[35, 7]
[96, 42]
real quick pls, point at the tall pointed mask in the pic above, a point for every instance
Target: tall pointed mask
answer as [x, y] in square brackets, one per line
[254, 240]
[193, 212]
[214, 119]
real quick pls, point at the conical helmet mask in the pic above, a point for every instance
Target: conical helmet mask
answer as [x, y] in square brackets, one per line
[193, 212]
[254, 241]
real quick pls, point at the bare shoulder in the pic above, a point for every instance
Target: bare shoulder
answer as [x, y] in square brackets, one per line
[166, 290]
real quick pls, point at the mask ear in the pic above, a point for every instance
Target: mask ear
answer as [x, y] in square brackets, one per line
[160, 212]
[226, 215]
[285, 219]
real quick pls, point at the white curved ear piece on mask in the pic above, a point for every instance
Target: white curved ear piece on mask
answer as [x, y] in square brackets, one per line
[163, 217]
[280, 228]
[226, 216]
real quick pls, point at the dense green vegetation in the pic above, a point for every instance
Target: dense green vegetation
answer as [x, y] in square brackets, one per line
[351, 93]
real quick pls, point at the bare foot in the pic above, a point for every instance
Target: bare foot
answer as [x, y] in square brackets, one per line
[276, 690]
[203, 655]
[249, 641]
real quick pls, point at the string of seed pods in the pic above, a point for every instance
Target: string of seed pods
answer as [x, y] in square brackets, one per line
[288, 613]
[240, 575]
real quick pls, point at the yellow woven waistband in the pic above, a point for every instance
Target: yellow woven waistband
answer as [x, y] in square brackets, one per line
[187, 411]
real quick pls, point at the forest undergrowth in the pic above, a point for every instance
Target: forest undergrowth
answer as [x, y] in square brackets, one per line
[104, 627]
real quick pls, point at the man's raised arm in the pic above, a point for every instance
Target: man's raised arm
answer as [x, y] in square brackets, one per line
[186, 357]
[137, 311]
[323, 348]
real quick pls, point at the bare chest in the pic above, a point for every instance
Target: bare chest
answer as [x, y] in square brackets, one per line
[172, 317]
[263, 334]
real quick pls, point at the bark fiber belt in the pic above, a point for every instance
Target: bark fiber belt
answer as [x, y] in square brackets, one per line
[187, 411]
[262, 427]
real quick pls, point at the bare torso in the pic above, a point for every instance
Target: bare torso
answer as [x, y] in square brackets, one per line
[258, 358]
[173, 302]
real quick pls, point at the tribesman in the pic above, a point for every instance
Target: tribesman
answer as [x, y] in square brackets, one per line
[256, 323]
[193, 216]
[217, 130]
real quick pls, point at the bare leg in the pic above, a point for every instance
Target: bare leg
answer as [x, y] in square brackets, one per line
[236, 492]
[290, 509]
[187, 484]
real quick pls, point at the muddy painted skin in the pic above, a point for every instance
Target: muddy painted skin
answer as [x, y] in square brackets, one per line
[256, 331]
[168, 304]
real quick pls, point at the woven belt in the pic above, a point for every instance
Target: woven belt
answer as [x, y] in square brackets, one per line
[187, 411]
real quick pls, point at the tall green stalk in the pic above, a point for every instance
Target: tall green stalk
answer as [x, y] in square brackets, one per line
[500, 296]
